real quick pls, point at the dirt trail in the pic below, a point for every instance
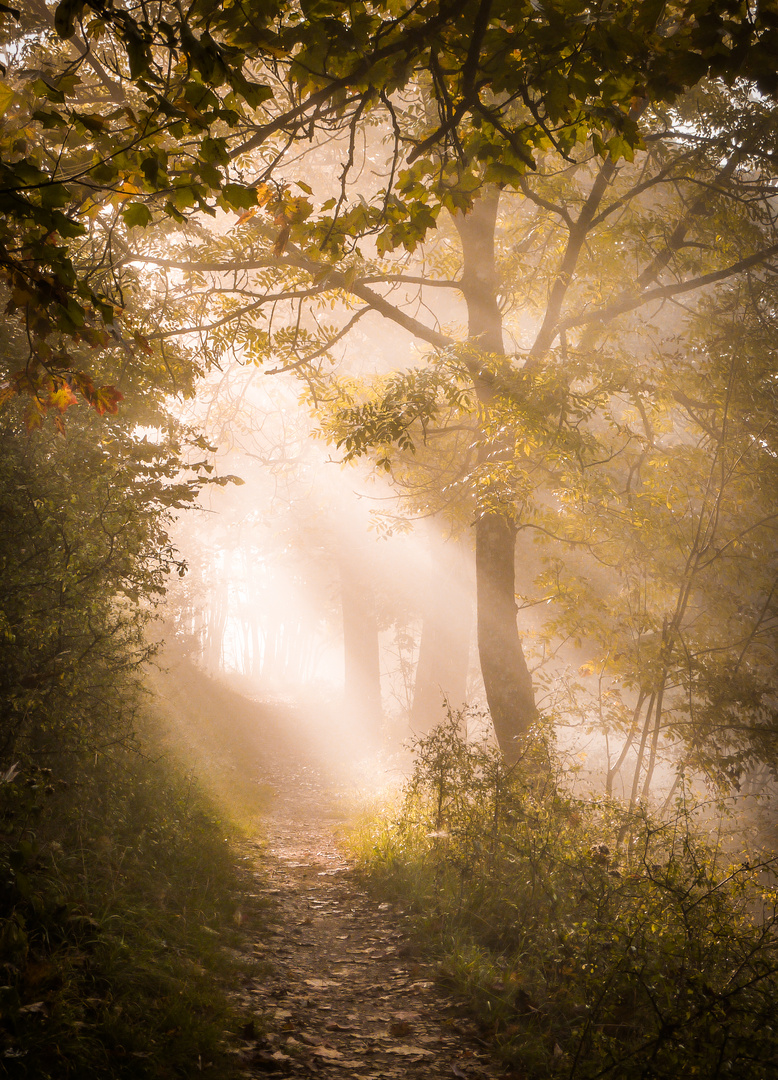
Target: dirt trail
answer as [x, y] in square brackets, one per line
[346, 996]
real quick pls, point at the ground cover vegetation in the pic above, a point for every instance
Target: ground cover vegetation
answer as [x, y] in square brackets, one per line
[591, 942]
[117, 901]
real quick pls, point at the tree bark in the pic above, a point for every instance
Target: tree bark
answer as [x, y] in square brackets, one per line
[507, 680]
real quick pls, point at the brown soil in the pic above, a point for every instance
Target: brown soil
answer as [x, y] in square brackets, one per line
[341, 990]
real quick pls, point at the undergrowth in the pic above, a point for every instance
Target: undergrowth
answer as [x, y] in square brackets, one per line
[118, 908]
[590, 944]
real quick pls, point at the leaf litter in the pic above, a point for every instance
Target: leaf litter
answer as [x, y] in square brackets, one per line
[357, 1000]
[331, 977]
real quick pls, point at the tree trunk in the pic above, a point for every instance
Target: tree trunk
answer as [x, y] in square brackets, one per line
[506, 677]
[216, 624]
[362, 676]
[444, 649]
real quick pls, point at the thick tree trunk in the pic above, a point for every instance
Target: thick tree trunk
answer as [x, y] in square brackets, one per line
[507, 680]
[506, 677]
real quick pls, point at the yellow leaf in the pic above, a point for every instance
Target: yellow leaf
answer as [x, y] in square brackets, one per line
[7, 96]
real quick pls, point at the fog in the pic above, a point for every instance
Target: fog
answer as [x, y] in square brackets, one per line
[376, 411]
[302, 585]
[310, 585]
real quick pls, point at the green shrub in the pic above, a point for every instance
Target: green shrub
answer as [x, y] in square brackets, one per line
[117, 890]
[590, 944]
[118, 896]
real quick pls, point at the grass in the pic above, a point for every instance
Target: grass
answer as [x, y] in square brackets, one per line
[589, 944]
[121, 908]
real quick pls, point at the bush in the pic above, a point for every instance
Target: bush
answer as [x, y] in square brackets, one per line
[116, 886]
[590, 944]
[117, 899]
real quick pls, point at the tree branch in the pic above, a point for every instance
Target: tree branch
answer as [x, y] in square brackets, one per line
[630, 302]
[333, 279]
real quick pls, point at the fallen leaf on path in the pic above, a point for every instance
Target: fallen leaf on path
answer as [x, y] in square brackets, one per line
[409, 1051]
[38, 1008]
[273, 1063]
[326, 1052]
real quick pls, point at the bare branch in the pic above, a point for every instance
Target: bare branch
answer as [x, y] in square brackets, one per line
[632, 301]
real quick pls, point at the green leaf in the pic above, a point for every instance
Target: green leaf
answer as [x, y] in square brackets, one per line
[48, 119]
[7, 96]
[239, 196]
[136, 215]
[214, 151]
[54, 195]
[65, 17]
[44, 89]
[254, 94]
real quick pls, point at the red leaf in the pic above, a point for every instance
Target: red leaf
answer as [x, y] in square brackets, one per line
[106, 399]
[143, 342]
[62, 397]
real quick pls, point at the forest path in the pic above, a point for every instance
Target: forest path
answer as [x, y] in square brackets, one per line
[343, 991]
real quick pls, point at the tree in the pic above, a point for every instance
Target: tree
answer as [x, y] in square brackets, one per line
[152, 112]
[677, 538]
[704, 174]
[86, 554]
[475, 96]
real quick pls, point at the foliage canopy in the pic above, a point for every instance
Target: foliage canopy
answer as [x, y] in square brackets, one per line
[114, 116]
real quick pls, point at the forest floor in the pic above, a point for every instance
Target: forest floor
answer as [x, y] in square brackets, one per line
[332, 975]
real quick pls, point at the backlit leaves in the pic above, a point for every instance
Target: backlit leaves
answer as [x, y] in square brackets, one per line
[188, 93]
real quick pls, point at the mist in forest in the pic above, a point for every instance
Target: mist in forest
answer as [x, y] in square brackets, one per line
[305, 584]
[343, 575]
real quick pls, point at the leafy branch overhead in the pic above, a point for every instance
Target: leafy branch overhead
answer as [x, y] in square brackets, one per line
[116, 118]
[601, 297]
